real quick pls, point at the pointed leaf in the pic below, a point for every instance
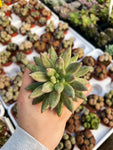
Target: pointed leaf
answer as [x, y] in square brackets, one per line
[53, 54]
[80, 95]
[74, 59]
[78, 86]
[83, 81]
[66, 57]
[59, 108]
[59, 87]
[59, 64]
[39, 76]
[46, 61]
[50, 72]
[68, 102]
[38, 99]
[45, 104]
[54, 99]
[69, 91]
[33, 86]
[83, 70]
[69, 78]
[47, 87]
[73, 68]
[38, 61]
[37, 92]
[35, 68]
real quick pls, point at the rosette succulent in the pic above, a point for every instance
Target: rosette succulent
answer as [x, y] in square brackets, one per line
[58, 80]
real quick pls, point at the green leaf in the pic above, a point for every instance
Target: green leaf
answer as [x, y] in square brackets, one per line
[35, 68]
[59, 87]
[33, 86]
[83, 81]
[83, 70]
[80, 95]
[47, 87]
[38, 99]
[37, 92]
[78, 86]
[68, 90]
[75, 99]
[69, 78]
[59, 108]
[46, 61]
[54, 99]
[59, 64]
[66, 57]
[39, 76]
[53, 54]
[45, 104]
[74, 59]
[38, 61]
[73, 68]
[50, 72]
[68, 102]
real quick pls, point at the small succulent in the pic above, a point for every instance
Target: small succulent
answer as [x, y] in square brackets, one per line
[33, 2]
[4, 57]
[5, 81]
[46, 37]
[106, 116]
[78, 51]
[53, 3]
[17, 80]
[26, 46]
[24, 28]
[59, 35]
[30, 20]
[67, 142]
[109, 49]
[35, 14]
[39, 6]
[63, 27]
[22, 2]
[12, 47]
[2, 128]
[32, 37]
[40, 46]
[42, 21]
[108, 98]
[4, 21]
[96, 102]
[50, 27]
[11, 29]
[68, 43]
[88, 75]
[56, 45]
[73, 124]
[105, 59]
[30, 7]
[46, 13]
[57, 80]
[16, 8]
[85, 140]
[22, 67]
[5, 38]
[89, 61]
[79, 109]
[23, 13]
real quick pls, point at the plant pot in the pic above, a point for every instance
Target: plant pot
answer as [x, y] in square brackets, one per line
[14, 34]
[33, 25]
[9, 3]
[40, 25]
[8, 13]
[6, 43]
[29, 52]
[7, 64]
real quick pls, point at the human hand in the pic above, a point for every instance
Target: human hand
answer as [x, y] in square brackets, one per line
[45, 127]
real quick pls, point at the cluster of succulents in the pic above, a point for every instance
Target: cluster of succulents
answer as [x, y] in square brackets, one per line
[108, 98]
[106, 116]
[50, 27]
[40, 7]
[59, 80]
[89, 61]
[85, 140]
[96, 102]
[26, 47]
[73, 124]
[67, 142]
[78, 51]
[25, 28]
[5, 38]
[100, 72]
[90, 120]
[14, 111]
[68, 43]
[88, 3]
[59, 35]
[5, 57]
[17, 80]
[12, 47]
[5, 82]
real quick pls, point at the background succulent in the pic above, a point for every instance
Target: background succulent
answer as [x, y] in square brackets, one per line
[57, 80]
[109, 49]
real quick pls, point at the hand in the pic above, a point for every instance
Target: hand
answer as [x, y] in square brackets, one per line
[46, 127]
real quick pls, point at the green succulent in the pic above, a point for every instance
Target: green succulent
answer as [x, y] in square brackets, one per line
[58, 80]
[109, 49]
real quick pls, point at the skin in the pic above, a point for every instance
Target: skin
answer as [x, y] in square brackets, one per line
[45, 127]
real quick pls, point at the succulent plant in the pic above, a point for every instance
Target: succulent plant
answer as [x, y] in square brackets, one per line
[96, 102]
[20, 57]
[22, 67]
[16, 9]
[46, 37]
[17, 80]
[40, 46]
[11, 29]
[78, 51]
[23, 12]
[33, 2]
[32, 37]
[12, 47]
[59, 35]
[108, 98]
[57, 80]
[88, 3]
[109, 32]
[26, 46]
[106, 116]
[67, 142]
[30, 20]
[35, 14]
[2, 128]
[5, 81]
[79, 109]
[109, 49]
[73, 124]
[4, 57]
[42, 21]
[89, 61]
[63, 27]
[85, 140]
[4, 21]
[5, 38]
[88, 75]
[22, 2]
[39, 6]
[56, 45]
[105, 59]
[30, 7]
[46, 13]
[5, 8]
[14, 111]
[53, 3]
[68, 43]
[50, 27]
[25, 28]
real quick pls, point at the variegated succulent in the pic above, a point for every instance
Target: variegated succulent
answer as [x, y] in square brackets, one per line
[58, 80]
